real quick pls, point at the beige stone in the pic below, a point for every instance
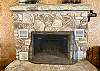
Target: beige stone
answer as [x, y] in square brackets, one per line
[51, 1]
[27, 66]
[7, 44]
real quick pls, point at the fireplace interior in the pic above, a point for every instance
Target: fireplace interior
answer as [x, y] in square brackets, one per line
[51, 47]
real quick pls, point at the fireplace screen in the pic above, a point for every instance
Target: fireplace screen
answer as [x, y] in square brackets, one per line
[52, 47]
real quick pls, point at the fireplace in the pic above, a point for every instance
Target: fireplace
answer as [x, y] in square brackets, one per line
[53, 47]
[53, 34]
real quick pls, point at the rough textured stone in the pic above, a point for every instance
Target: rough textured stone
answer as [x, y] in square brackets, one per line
[51, 7]
[27, 66]
[49, 20]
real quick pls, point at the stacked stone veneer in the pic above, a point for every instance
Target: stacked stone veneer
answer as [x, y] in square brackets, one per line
[49, 18]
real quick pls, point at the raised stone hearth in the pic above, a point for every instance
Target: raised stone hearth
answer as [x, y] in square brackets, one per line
[27, 66]
[50, 18]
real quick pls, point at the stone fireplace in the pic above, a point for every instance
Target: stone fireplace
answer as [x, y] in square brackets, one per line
[55, 34]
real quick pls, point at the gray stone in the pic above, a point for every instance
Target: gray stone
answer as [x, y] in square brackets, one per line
[27, 18]
[48, 21]
[27, 66]
[39, 26]
[84, 14]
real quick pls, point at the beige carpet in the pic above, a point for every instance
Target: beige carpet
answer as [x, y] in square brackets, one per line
[27, 66]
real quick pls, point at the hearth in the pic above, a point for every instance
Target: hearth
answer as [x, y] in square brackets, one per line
[53, 47]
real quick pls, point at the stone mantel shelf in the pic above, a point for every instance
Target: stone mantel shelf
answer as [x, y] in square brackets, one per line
[32, 7]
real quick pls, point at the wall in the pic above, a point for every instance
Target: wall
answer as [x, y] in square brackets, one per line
[94, 24]
[7, 44]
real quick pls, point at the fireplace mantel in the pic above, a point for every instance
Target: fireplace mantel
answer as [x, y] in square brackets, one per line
[31, 7]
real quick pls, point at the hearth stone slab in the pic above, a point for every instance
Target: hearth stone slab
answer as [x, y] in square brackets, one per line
[27, 66]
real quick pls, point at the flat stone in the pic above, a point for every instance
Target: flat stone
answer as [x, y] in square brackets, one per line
[27, 18]
[27, 42]
[23, 55]
[27, 66]
[50, 7]
[39, 26]
[78, 18]
[57, 23]
[84, 14]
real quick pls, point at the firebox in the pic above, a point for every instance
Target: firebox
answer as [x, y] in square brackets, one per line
[53, 47]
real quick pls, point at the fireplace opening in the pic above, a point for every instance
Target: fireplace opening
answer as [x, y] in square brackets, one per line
[52, 47]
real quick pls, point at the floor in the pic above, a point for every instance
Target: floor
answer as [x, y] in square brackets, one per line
[27, 66]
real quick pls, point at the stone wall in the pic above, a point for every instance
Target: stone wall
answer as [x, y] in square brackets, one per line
[32, 19]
